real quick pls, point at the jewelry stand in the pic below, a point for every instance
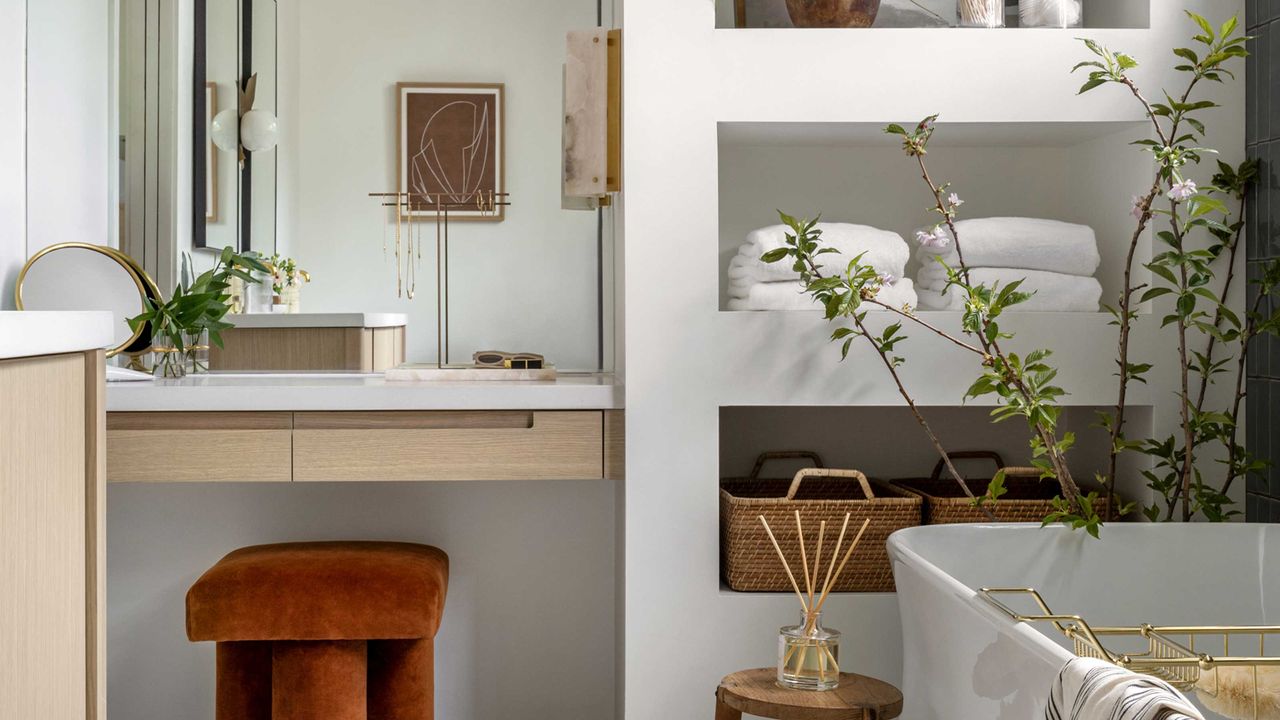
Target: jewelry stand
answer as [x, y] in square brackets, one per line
[408, 208]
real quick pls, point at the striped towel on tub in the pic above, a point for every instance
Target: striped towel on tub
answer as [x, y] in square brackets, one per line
[1089, 689]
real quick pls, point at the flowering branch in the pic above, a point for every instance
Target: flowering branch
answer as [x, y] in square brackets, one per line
[1185, 271]
[843, 297]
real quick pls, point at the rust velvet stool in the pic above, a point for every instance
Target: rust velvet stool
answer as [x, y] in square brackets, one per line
[323, 631]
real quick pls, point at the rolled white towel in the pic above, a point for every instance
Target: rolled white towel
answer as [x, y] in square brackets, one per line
[886, 251]
[1054, 292]
[791, 296]
[1030, 243]
[1091, 688]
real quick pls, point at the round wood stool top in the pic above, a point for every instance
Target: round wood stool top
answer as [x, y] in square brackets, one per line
[756, 692]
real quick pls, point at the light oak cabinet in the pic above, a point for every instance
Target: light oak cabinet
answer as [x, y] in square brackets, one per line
[365, 446]
[52, 569]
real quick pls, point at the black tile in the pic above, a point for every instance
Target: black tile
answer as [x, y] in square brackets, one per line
[1251, 231]
[1261, 47]
[1251, 99]
[1257, 417]
[1250, 13]
[1263, 185]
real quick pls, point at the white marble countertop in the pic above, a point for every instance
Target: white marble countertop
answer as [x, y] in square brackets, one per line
[30, 333]
[318, 320]
[333, 392]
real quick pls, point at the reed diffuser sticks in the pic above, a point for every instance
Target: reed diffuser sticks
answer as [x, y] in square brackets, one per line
[795, 667]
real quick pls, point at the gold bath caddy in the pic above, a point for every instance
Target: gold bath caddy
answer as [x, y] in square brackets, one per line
[1168, 652]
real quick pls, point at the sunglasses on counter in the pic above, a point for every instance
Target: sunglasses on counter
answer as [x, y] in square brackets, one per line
[511, 361]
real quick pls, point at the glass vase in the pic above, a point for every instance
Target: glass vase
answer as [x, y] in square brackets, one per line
[196, 349]
[1050, 13]
[809, 655]
[981, 13]
[292, 297]
[167, 361]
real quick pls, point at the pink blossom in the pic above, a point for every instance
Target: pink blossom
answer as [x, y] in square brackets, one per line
[936, 238]
[1183, 190]
[1138, 209]
[955, 200]
[888, 279]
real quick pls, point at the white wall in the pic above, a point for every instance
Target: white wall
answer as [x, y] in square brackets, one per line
[54, 131]
[13, 181]
[67, 130]
[528, 283]
[528, 629]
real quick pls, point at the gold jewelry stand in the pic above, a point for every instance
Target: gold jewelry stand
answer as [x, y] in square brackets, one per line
[409, 207]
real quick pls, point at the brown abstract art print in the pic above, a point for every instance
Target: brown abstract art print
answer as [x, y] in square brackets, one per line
[450, 145]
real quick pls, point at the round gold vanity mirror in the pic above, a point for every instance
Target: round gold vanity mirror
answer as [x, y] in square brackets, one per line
[80, 276]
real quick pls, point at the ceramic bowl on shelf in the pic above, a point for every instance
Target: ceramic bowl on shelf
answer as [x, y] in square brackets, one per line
[833, 13]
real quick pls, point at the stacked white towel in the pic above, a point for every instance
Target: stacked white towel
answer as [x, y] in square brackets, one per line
[1088, 688]
[757, 285]
[1055, 260]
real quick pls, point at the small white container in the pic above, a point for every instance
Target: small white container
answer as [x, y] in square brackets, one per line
[1050, 13]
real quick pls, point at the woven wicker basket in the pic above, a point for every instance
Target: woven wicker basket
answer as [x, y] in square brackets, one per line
[747, 558]
[1029, 499]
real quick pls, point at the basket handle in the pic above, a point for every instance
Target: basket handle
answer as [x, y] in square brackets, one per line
[765, 457]
[967, 455]
[825, 472]
[1023, 472]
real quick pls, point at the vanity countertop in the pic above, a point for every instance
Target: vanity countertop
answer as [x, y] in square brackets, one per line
[330, 392]
[28, 333]
[318, 320]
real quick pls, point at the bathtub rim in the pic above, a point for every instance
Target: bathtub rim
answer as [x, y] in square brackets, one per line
[900, 548]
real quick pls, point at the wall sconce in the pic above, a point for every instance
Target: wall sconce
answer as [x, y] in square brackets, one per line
[592, 139]
[244, 128]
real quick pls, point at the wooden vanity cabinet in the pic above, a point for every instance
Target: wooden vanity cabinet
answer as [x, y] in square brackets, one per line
[427, 445]
[52, 568]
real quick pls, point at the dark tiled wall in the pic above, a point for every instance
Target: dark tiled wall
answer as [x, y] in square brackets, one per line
[1262, 134]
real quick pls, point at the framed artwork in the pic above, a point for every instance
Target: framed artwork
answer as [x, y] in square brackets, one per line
[450, 144]
[211, 155]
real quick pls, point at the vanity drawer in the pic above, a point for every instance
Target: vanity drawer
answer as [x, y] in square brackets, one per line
[448, 445]
[199, 447]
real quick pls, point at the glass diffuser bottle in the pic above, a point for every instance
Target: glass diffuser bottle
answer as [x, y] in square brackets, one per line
[809, 655]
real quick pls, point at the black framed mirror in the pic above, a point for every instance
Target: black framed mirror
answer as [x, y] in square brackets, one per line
[234, 125]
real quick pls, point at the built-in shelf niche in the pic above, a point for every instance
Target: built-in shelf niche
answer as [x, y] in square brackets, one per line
[931, 14]
[1081, 172]
[887, 443]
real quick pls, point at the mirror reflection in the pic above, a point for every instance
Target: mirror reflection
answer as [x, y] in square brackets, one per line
[289, 115]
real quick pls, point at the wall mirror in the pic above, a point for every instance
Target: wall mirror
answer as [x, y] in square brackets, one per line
[326, 131]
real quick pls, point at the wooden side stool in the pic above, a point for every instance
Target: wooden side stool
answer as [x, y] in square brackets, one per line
[756, 692]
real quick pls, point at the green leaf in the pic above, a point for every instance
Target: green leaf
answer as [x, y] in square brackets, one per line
[775, 255]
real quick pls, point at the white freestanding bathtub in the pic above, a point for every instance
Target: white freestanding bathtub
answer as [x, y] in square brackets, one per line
[963, 658]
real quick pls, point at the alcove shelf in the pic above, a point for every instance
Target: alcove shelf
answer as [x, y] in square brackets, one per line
[786, 359]
[931, 14]
[1079, 172]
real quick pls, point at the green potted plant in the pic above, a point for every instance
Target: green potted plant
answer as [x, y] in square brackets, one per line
[183, 326]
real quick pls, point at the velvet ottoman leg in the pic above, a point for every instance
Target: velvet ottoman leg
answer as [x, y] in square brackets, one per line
[402, 679]
[320, 680]
[244, 681]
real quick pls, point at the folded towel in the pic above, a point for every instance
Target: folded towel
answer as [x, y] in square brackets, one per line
[1054, 292]
[791, 296]
[886, 251]
[1090, 689]
[1019, 242]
